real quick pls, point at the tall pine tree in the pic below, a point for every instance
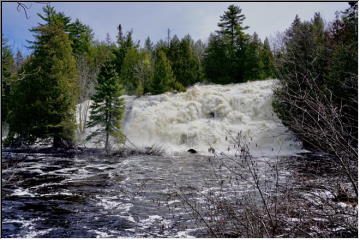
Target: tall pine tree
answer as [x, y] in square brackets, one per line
[228, 47]
[43, 103]
[108, 106]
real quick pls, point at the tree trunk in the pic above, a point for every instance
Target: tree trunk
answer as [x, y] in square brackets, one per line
[107, 123]
[107, 144]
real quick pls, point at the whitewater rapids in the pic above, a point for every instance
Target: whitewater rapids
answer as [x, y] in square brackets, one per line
[205, 115]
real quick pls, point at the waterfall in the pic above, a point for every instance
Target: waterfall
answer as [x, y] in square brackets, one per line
[206, 115]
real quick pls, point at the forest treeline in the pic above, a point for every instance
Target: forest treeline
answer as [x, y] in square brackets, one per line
[67, 66]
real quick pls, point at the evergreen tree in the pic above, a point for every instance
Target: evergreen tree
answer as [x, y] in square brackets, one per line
[164, 79]
[108, 106]
[342, 70]
[217, 61]
[310, 58]
[184, 61]
[43, 103]
[135, 71]
[161, 45]
[81, 36]
[173, 54]
[19, 59]
[124, 44]
[231, 28]
[7, 77]
[252, 61]
[148, 46]
[190, 64]
[268, 61]
[51, 17]
[228, 45]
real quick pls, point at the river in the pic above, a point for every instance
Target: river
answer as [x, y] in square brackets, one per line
[45, 195]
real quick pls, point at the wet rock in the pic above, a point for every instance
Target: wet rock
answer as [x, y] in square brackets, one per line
[191, 150]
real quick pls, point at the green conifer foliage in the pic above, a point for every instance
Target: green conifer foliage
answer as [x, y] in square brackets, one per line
[164, 79]
[233, 56]
[80, 35]
[224, 57]
[216, 61]
[7, 77]
[267, 59]
[148, 46]
[124, 44]
[231, 25]
[185, 63]
[252, 62]
[108, 106]
[43, 101]
[136, 71]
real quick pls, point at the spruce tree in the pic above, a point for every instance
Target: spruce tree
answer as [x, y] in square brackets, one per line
[252, 61]
[108, 106]
[164, 79]
[217, 61]
[190, 64]
[267, 59]
[225, 55]
[124, 44]
[80, 34]
[43, 102]
[148, 46]
[231, 25]
[7, 77]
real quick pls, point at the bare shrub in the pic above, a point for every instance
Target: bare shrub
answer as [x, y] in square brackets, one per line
[244, 204]
[255, 198]
[318, 121]
[125, 151]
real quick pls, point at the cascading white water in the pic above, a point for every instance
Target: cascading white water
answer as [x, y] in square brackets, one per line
[205, 115]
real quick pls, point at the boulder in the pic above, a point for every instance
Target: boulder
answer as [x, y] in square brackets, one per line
[192, 150]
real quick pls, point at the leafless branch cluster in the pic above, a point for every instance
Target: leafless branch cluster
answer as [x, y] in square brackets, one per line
[255, 198]
[125, 151]
[87, 81]
[21, 6]
[318, 120]
[244, 204]
[24, 7]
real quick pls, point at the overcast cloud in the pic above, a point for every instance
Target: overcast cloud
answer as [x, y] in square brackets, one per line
[153, 19]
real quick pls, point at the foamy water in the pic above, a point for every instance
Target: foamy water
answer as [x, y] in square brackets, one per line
[207, 115]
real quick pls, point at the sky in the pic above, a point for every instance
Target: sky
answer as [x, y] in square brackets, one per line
[153, 19]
